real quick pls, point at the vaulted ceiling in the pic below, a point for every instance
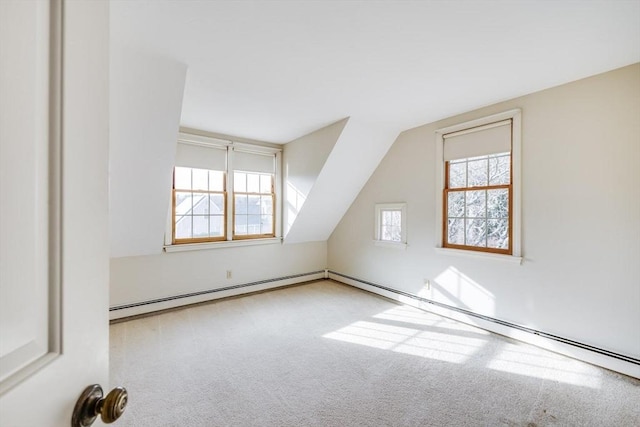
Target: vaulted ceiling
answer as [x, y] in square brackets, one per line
[277, 70]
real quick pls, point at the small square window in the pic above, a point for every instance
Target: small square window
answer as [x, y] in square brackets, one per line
[391, 224]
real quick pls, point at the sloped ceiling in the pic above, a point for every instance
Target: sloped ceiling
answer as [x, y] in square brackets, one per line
[357, 152]
[145, 94]
[277, 70]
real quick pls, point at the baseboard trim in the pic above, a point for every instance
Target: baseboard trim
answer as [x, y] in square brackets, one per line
[159, 304]
[598, 356]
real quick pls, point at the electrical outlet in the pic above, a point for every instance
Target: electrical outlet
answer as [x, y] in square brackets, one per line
[229, 275]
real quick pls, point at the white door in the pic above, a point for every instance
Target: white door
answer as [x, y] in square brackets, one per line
[54, 265]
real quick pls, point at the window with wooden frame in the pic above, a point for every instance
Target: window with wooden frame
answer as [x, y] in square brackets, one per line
[478, 189]
[199, 194]
[254, 194]
[223, 191]
[198, 205]
[254, 205]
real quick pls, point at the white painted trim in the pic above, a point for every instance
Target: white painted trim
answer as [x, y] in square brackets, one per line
[516, 160]
[379, 207]
[584, 355]
[189, 138]
[256, 149]
[392, 245]
[186, 247]
[182, 301]
[479, 255]
[46, 347]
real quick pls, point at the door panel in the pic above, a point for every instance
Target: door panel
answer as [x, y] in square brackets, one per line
[53, 207]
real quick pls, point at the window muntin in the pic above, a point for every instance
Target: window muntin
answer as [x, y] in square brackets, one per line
[198, 205]
[390, 225]
[477, 203]
[201, 154]
[254, 205]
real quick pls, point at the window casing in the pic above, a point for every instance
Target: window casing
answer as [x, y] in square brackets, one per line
[254, 205]
[391, 224]
[198, 205]
[223, 191]
[478, 208]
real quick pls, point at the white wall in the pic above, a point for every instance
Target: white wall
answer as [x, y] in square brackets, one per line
[144, 278]
[303, 159]
[145, 105]
[580, 278]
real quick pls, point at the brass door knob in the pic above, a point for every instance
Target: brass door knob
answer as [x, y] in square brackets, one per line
[91, 403]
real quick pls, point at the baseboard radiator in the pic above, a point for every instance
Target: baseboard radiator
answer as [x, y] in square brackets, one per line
[588, 353]
[158, 304]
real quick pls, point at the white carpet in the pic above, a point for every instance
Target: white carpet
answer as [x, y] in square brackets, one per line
[324, 354]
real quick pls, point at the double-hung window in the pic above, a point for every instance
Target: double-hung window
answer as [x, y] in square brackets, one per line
[478, 209]
[253, 195]
[223, 191]
[199, 194]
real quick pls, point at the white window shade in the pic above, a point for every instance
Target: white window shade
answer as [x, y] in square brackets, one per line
[201, 156]
[253, 162]
[480, 141]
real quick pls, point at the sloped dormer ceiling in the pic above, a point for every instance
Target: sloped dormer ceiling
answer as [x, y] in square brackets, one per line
[145, 102]
[275, 70]
[314, 205]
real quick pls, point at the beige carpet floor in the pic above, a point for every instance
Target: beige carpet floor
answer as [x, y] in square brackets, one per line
[325, 354]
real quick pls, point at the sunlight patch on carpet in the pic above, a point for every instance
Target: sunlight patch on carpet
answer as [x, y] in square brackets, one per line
[416, 342]
[535, 362]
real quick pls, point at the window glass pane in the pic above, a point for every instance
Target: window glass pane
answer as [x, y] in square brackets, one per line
[455, 231]
[455, 204]
[183, 227]
[498, 233]
[200, 179]
[240, 182]
[392, 234]
[265, 183]
[216, 181]
[266, 226]
[478, 172]
[241, 225]
[499, 170]
[476, 204]
[396, 218]
[386, 218]
[476, 233]
[201, 226]
[498, 203]
[253, 206]
[182, 178]
[216, 204]
[266, 203]
[253, 224]
[457, 174]
[200, 204]
[183, 203]
[386, 233]
[253, 183]
[216, 226]
[241, 205]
